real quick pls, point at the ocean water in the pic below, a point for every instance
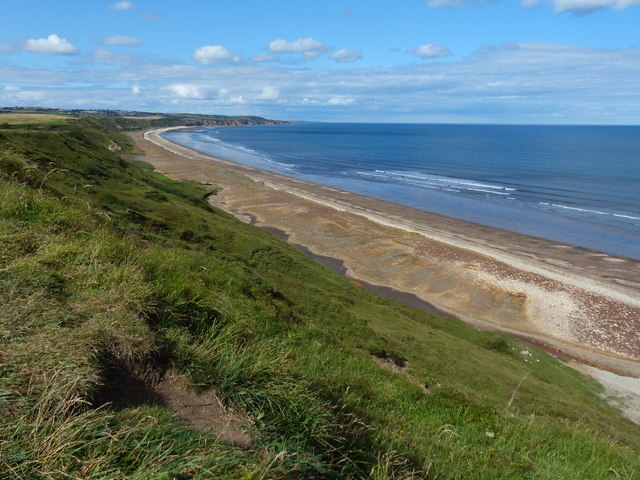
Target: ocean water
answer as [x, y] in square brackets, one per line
[578, 185]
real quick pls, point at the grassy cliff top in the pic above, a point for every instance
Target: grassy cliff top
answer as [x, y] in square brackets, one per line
[127, 119]
[114, 278]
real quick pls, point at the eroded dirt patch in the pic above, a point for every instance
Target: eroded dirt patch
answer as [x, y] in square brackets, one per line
[205, 411]
[128, 386]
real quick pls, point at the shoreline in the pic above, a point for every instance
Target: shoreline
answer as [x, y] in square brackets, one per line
[338, 266]
[412, 300]
[582, 303]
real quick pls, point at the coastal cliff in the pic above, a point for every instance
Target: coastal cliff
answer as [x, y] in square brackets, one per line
[192, 122]
[147, 334]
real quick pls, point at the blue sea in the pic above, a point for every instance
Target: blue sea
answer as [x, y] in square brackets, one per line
[578, 185]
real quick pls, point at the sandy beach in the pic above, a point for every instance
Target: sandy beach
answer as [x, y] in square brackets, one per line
[582, 303]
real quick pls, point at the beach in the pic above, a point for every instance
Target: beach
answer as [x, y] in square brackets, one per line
[581, 303]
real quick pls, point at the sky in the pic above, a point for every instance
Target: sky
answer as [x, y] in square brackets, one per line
[431, 61]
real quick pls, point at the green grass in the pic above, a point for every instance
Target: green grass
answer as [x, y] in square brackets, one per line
[103, 262]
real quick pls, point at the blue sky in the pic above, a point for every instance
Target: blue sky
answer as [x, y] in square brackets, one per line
[461, 61]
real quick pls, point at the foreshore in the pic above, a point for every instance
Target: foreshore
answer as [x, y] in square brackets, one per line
[582, 303]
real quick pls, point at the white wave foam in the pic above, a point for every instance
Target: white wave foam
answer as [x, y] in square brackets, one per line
[487, 191]
[620, 215]
[437, 182]
[425, 185]
[288, 166]
[586, 210]
[447, 180]
[241, 148]
[589, 211]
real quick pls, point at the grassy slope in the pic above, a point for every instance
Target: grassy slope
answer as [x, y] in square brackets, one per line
[135, 121]
[105, 264]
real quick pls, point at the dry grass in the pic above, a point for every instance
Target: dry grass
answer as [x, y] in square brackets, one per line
[23, 118]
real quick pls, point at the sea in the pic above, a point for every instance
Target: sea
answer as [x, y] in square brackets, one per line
[577, 185]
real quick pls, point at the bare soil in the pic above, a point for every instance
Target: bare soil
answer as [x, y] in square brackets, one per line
[150, 383]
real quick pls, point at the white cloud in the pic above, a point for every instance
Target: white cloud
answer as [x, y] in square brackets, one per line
[341, 101]
[18, 95]
[308, 48]
[297, 46]
[52, 45]
[210, 54]
[560, 6]
[590, 5]
[122, 6]
[122, 40]
[184, 90]
[136, 90]
[430, 50]
[311, 54]
[346, 56]
[269, 93]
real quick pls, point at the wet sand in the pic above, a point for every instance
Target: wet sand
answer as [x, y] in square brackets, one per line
[583, 303]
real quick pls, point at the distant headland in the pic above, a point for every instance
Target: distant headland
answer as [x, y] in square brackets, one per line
[131, 119]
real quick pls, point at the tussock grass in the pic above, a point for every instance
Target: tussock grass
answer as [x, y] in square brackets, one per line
[107, 265]
[59, 437]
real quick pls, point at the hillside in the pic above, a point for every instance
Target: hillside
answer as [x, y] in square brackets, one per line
[131, 119]
[146, 334]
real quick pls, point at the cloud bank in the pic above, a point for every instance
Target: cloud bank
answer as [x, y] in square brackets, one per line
[560, 6]
[509, 83]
